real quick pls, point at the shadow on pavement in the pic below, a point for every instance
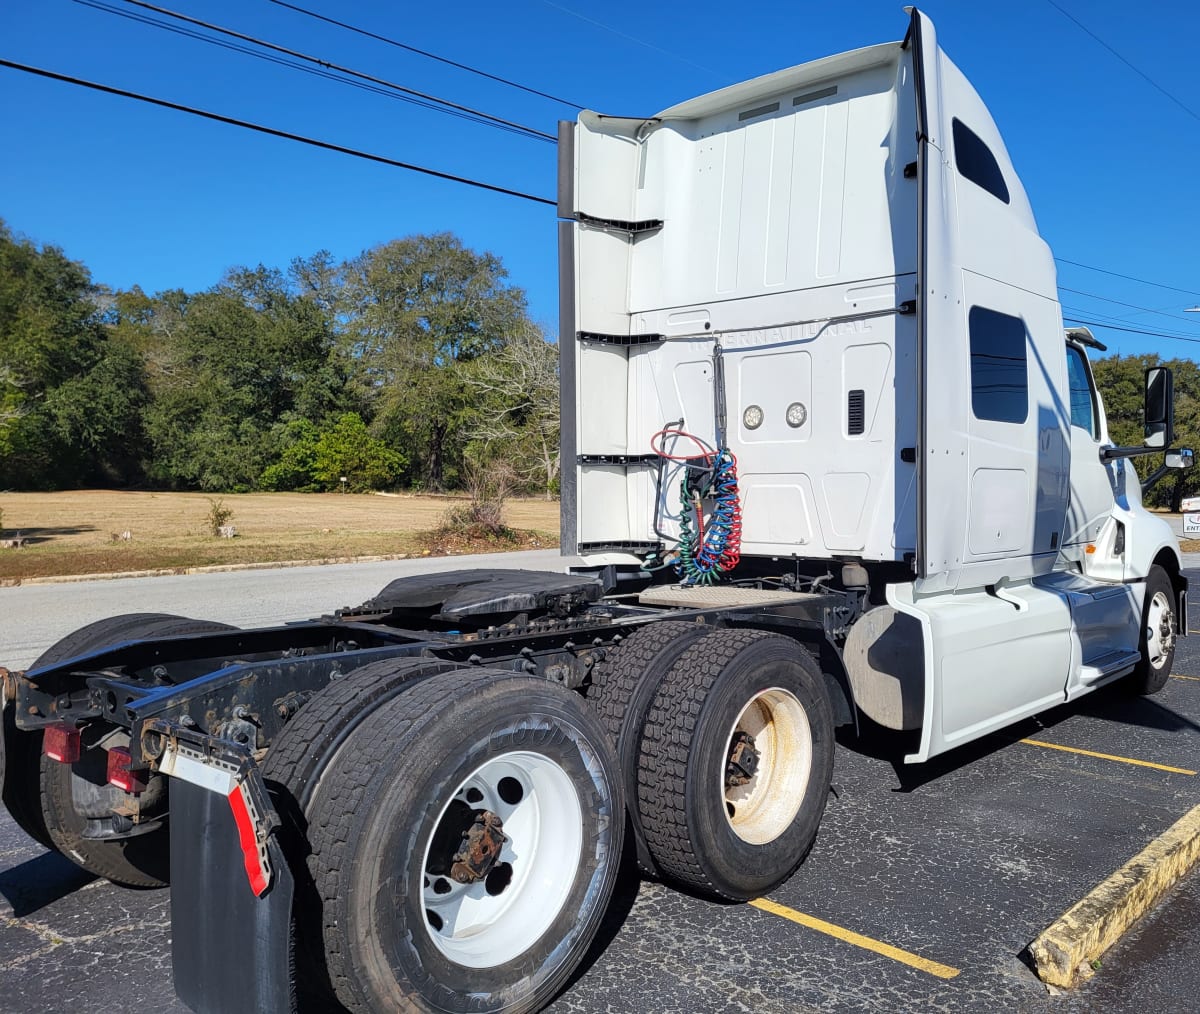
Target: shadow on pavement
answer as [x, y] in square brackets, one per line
[39, 882]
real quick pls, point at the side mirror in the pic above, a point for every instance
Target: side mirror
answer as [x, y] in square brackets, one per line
[1182, 458]
[1160, 407]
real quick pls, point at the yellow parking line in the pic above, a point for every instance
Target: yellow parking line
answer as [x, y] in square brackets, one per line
[1177, 676]
[850, 937]
[1108, 756]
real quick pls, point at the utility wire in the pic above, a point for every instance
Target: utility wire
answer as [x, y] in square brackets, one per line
[508, 124]
[328, 146]
[630, 38]
[189, 33]
[1140, 73]
[423, 52]
[1117, 274]
[1132, 306]
[1131, 330]
[1106, 320]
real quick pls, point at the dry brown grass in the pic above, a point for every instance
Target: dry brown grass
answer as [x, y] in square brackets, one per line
[72, 533]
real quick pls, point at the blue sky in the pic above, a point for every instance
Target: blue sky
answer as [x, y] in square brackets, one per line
[154, 197]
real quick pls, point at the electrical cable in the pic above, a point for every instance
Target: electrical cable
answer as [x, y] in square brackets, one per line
[423, 52]
[286, 135]
[290, 64]
[631, 38]
[713, 549]
[704, 550]
[1132, 306]
[1140, 73]
[1130, 330]
[446, 103]
[1130, 278]
[1107, 319]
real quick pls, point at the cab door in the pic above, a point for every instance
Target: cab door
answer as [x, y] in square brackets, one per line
[1092, 493]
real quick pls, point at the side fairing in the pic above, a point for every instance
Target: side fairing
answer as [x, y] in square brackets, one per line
[994, 454]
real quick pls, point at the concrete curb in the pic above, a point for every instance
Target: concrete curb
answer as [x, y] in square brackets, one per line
[217, 568]
[1090, 927]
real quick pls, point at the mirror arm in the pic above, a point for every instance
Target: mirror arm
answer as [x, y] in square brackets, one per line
[1152, 479]
[1108, 454]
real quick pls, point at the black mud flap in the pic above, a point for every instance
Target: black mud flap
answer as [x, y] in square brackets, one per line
[231, 951]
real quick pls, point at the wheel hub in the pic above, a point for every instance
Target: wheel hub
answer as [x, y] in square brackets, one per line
[502, 858]
[742, 763]
[482, 843]
[1160, 632]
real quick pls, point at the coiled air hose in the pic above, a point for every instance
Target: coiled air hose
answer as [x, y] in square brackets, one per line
[705, 550]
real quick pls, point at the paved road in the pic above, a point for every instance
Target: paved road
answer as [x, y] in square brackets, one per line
[961, 861]
[35, 616]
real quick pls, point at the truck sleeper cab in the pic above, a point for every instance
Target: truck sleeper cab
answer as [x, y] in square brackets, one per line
[834, 272]
[826, 454]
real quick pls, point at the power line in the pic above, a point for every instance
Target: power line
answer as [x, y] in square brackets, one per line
[488, 117]
[1131, 330]
[1132, 306]
[189, 33]
[1140, 73]
[1105, 319]
[422, 52]
[1130, 278]
[328, 146]
[628, 37]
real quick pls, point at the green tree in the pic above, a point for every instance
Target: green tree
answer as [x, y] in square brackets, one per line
[348, 449]
[318, 459]
[227, 367]
[69, 397]
[298, 460]
[416, 311]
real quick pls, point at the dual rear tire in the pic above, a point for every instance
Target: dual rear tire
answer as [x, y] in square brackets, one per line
[461, 840]
[734, 754]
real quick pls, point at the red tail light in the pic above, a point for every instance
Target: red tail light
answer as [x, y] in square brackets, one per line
[61, 743]
[121, 773]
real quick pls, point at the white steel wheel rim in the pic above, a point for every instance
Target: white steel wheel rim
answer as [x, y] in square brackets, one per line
[477, 926]
[764, 807]
[1160, 633]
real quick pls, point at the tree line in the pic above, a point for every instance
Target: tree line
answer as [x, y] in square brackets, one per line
[403, 367]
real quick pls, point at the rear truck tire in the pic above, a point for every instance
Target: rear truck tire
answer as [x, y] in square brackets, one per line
[735, 764]
[22, 766]
[622, 689]
[465, 843]
[145, 859]
[1157, 640]
[292, 769]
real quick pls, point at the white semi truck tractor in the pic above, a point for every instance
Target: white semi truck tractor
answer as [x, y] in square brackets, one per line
[829, 458]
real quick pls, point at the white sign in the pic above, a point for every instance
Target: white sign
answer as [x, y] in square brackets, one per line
[1191, 524]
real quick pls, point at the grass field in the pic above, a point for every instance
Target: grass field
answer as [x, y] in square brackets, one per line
[73, 533]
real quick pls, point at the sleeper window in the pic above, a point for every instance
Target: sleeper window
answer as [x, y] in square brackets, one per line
[976, 162]
[999, 384]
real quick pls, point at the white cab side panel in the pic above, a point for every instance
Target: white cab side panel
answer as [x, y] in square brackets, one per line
[782, 200]
[994, 474]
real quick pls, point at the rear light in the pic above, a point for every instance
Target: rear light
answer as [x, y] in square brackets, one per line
[121, 773]
[61, 743]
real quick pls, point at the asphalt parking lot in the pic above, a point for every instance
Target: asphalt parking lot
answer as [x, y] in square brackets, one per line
[924, 888]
